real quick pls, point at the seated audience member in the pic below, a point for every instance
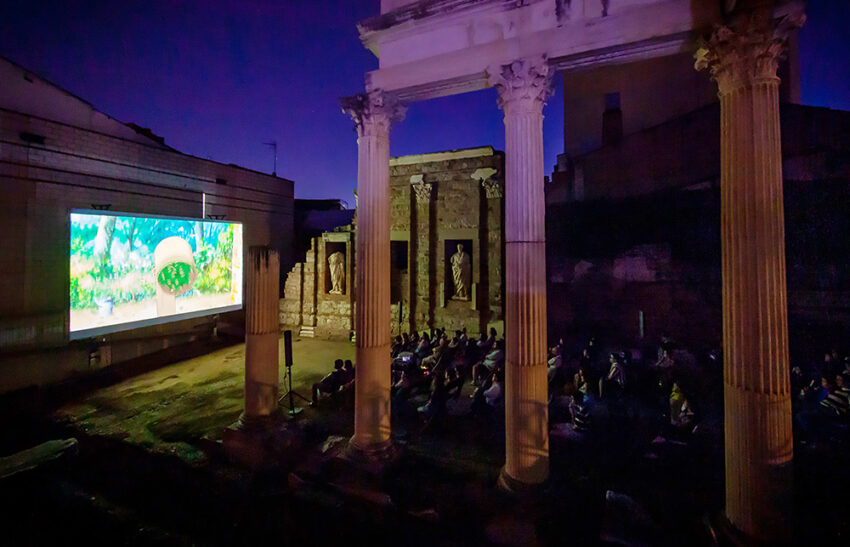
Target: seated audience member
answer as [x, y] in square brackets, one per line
[579, 426]
[436, 354]
[837, 401]
[490, 395]
[493, 359]
[617, 372]
[330, 383]
[816, 422]
[454, 384]
[423, 349]
[682, 417]
[397, 347]
[555, 357]
[435, 408]
[348, 372]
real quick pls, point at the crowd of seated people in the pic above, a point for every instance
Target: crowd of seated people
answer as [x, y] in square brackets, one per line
[821, 403]
[437, 364]
[629, 399]
[596, 394]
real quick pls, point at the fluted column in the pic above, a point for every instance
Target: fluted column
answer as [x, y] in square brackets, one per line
[261, 335]
[743, 60]
[523, 88]
[372, 114]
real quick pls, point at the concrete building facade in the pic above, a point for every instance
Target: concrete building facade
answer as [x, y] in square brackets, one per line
[58, 153]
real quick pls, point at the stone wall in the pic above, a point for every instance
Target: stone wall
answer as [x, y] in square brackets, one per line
[437, 201]
[308, 306]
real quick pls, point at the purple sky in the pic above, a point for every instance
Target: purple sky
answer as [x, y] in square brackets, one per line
[217, 78]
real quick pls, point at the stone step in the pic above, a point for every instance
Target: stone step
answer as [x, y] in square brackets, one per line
[307, 332]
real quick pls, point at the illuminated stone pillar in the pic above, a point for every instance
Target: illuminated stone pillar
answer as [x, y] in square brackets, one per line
[743, 60]
[372, 114]
[523, 88]
[261, 335]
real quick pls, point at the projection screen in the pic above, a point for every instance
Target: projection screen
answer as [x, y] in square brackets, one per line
[129, 271]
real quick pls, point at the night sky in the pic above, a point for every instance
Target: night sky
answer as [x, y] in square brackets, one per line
[217, 78]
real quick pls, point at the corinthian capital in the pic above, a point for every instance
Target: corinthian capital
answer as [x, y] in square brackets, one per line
[373, 112]
[525, 84]
[747, 51]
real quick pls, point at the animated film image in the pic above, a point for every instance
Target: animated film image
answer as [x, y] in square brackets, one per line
[126, 269]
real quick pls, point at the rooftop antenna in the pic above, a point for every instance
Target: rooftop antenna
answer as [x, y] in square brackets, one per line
[273, 144]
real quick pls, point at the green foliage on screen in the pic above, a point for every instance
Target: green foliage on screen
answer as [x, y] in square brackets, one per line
[175, 276]
[111, 257]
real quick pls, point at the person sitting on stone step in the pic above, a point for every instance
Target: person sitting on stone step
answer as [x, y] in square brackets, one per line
[329, 384]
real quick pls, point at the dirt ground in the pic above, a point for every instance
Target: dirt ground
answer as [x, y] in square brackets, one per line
[169, 410]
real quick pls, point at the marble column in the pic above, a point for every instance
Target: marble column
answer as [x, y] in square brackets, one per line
[261, 335]
[372, 113]
[743, 58]
[523, 88]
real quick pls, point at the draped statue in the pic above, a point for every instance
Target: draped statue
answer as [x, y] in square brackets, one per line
[336, 264]
[460, 273]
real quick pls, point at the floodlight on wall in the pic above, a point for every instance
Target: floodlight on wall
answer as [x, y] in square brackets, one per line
[216, 217]
[101, 206]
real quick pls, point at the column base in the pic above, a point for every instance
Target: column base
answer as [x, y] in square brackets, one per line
[374, 458]
[519, 488]
[723, 532]
[261, 441]
[259, 423]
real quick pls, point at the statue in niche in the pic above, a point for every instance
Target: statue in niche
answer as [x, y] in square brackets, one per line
[460, 273]
[336, 265]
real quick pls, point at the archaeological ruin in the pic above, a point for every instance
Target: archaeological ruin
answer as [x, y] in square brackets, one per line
[446, 246]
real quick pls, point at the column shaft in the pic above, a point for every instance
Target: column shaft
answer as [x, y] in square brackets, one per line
[372, 318]
[759, 446]
[743, 59]
[261, 332]
[523, 88]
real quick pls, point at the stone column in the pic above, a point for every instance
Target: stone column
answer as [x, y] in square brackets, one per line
[743, 60]
[372, 113]
[523, 88]
[261, 335]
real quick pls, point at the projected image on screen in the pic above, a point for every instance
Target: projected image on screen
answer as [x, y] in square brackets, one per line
[129, 271]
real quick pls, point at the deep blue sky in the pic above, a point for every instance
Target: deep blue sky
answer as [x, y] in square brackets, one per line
[217, 78]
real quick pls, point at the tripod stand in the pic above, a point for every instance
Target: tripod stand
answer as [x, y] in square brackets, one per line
[293, 410]
[291, 393]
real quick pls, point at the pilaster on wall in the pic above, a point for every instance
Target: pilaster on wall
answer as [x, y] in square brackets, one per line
[423, 196]
[310, 282]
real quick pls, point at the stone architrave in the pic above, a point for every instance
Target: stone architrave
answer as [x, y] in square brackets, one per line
[492, 186]
[743, 59]
[523, 87]
[373, 113]
[461, 269]
[336, 265]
